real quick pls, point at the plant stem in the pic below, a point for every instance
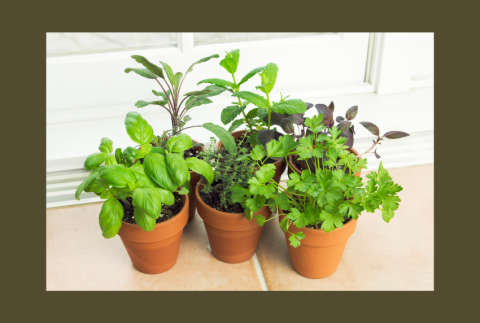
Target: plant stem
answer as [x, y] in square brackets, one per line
[374, 144]
[168, 98]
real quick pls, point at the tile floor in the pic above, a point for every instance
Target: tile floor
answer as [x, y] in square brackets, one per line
[379, 256]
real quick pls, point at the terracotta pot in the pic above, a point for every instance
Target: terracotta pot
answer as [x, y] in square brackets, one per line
[279, 165]
[320, 252]
[194, 178]
[156, 251]
[292, 164]
[233, 239]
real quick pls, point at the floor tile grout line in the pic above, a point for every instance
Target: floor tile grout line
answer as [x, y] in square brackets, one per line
[260, 272]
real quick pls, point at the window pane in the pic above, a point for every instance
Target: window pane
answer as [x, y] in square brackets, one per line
[73, 43]
[208, 38]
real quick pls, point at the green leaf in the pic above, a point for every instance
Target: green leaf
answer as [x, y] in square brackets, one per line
[179, 143]
[158, 150]
[387, 215]
[197, 101]
[230, 113]
[201, 61]
[197, 93]
[142, 72]
[331, 221]
[238, 193]
[283, 201]
[168, 71]
[252, 113]
[255, 203]
[257, 153]
[167, 196]
[150, 66]
[383, 175]
[156, 168]
[165, 97]
[295, 239]
[251, 74]
[149, 200]
[94, 160]
[274, 149]
[260, 220]
[138, 128]
[183, 191]
[269, 75]
[129, 155]
[144, 221]
[230, 62]
[111, 216]
[119, 156]
[235, 124]
[86, 182]
[332, 196]
[289, 107]
[265, 173]
[141, 178]
[110, 160]
[200, 167]
[176, 80]
[177, 167]
[218, 82]
[116, 175]
[391, 203]
[141, 103]
[225, 137]
[288, 143]
[106, 145]
[253, 98]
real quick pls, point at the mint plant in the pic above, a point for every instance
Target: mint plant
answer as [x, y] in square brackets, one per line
[149, 184]
[327, 194]
[260, 117]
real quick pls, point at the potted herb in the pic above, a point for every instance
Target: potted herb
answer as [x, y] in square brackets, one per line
[233, 237]
[259, 117]
[177, 106]
[319, 208]
[145, 201]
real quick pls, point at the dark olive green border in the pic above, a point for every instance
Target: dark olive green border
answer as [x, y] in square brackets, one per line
[24, 126]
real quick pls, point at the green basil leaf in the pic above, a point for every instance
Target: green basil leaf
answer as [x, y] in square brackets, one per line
[129, 155]
[178, 169]
[111, 216]
[158, 150]
[138, 128]
[106, 145]
[179, 143]
[116, 175]
[149, 200]
[90, 178]
[144, 221]
[96, 186]
[141, 178]
[183, 191]
[150, 66]
[227, 139]
[167, 196]
[156, 169]
[94, 160]
[119, 156]
[110, 160]
[200, 167]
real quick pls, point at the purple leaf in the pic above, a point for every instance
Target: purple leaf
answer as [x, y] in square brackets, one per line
[351, 113]
[331, 107]
[371, 127]
[266, 135]
[344, 126]
[327, 114]
[297, 118]
[287, 126]
[339, 118]
[377, 155]
[396, 134]
[275, 118]
[309, 105]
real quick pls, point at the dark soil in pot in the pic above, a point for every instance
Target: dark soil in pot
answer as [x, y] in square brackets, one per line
[212, 199]
[168, 211]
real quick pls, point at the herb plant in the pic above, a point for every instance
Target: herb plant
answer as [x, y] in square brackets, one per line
[171, 98]
[259, 117]
[228, 172]
[150, 184]
[325, 196]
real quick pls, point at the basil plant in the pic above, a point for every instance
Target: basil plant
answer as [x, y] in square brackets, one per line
[149, 175]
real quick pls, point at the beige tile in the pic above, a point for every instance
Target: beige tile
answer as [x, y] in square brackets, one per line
[79, 258]
[379, 256]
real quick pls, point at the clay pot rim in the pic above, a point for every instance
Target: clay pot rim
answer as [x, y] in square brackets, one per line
[200, 185]
[290, 160]
[319, 231]
[278, 162]
[184, 201]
